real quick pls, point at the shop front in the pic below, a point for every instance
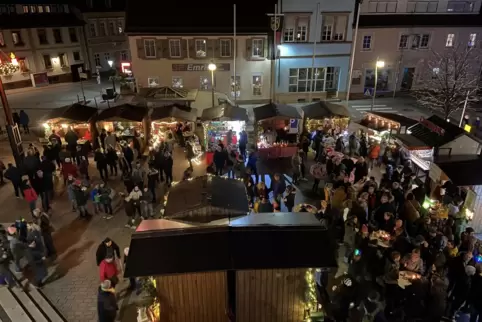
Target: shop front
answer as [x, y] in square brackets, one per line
[382, 125]
[325, 115]
[278, 130]
[167, 120]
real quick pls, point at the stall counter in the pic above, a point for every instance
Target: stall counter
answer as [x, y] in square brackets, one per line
[277, 152]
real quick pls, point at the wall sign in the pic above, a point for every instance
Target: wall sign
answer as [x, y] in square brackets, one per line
[198, 67]
[432, 127]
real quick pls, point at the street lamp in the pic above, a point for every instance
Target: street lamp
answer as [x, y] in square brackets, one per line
[111, 63]
[212, 67]
[378, 64]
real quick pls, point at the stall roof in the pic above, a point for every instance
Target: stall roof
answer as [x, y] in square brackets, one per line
[174, 111]
[274, 110]
[224, 112]
[402, 120]
[76, 113]
[411, 142]
[462, 170]
[207, 191]
[166, 93]
[432, 138]
[324, 109]
[260, 241]
[123, 112]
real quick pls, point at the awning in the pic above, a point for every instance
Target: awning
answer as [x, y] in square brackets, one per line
[275, 111]
[400, 119]
[322, 109]
[177, 112]
[435, 131]
[462, 170]
[122, 113]
[224, 112]
[411, 142]
[260, 241]
[74, 113]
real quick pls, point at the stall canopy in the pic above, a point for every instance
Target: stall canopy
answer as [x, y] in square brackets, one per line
[174, 112]
[321, 110]
[435, 131]
[461, 170]
[74, 113]
[275, 111]
[224, 112]
[400, 119]
[122, 113]
[261, 241]
[205, 198]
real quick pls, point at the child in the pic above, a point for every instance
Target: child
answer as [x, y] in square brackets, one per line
[289, 199]
[95, 197]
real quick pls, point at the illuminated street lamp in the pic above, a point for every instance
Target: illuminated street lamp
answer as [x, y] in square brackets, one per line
[212, 67]
[111, 63]
[378, 64]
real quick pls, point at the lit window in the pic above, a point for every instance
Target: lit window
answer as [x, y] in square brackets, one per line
[152, 81]
[236, 86]
[40, 9]
[450, 40]
[175, 48]
[22, 64]
[204, 83]
[150, 48]
[225, 50]
[25, 9]
[257, 85]
[258, 48]
[47, 8]
[33, 9]
[200, 45]
[107, 57]
[302, 29]
[120, 26]
[472, 39]
[303, 79]
[177, 82]
[17, 38]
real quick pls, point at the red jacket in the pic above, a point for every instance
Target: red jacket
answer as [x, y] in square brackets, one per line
[69, 168]
[30, 195]
[107, 270]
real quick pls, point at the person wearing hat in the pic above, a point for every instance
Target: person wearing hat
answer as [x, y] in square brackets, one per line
[15, 176]
[69, 169]
[35, 257]
[106, 302]
[107, 246]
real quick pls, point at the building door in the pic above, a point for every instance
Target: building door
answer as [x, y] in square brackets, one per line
[75, 72]
[407, 79]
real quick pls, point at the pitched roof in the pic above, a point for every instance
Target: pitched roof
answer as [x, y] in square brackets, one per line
[176, 111]
[224, 112]
[274, 110]
[408, 20]
[324, 109]
[432, 138]
[197, 17]
[74, 113]
[124, 112]
[402, 120]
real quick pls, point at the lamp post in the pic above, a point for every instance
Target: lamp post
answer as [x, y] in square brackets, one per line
[212, 67]
[111, 63]
[378, 64]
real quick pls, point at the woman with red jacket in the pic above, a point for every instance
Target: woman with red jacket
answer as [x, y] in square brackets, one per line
[30, 196]
[108, 270]
[69, 168]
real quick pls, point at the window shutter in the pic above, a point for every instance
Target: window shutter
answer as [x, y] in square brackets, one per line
[249, 46]
[216, 48]
[303, 21]
[340, 26]
[265, 47]
[184, 48]
[289, 21]
[140, 49]
[328, 21]
[158, 48]
[192, 48]
[165, 48]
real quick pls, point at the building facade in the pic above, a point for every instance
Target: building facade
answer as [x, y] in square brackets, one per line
[314, 54]
[182, 62]
[404, 35]
[105, 37]
[46, 42]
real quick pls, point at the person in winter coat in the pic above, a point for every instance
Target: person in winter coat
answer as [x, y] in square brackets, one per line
[289, 199]
[30, 196]
[24, 121]
[147, 209]
[81, 198]
[16, 247]
[413, 262]
[48, 169]
[167, 167]
[230, 162]
[130, 213]
[437, 298]
[108, 246]
[152, 180]
[112, 158]
[108, 269]
[15, 176]
[46, 229]
[296, 161]
[106, 200]
[460, 293]
[361, 169]
[31, 164]
[278, 187]
[138, 175]
[316, 171]
[68, 168]
[35, 257]
[265, 206]
[239, 167]
[351, 229]
[101, 163]
[219, 159]
[243, 142]
[71, 138]
[135, 197]
[84, 168]
[129, 157]
[106, 302]
[252, 164]
[39, 185]
[95, 198]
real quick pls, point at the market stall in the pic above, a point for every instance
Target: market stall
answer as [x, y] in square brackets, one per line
[387, 122]
[75, 116]
[278, 129]
[325, 115]
[166, 120]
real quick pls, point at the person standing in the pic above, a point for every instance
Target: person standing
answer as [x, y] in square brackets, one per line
[167, 167]
[30, 196]
[243, 143]
[252, 164]
[101, 162]
[71, 138]
[112, 160]
[35, 259]
[69, 169]
[128, 156]
[219, 159]
[190, 152]
[81, 199]
[147, 209]
[130, 212]
[48, 169]
[16, 246]
[106, 302]
[24, 121]
[102, 137]
[138, 175]
[108, 269]
[46, 229]
[106, 194]
[15, 176]
[152, 180]
[31, 163]
[107, 246]
[135, 197]
[110, 141]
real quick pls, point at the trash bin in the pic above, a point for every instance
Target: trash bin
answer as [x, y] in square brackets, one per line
[109, 92]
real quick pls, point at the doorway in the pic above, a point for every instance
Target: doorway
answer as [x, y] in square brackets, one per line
[407, 79]
[74, 69]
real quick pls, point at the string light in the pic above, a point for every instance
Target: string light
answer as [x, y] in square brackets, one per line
[311, 303]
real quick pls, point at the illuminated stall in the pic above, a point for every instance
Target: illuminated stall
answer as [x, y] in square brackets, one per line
[75, 116]
[165, 121]
[383, 125]
[325, 115]
[278, 130]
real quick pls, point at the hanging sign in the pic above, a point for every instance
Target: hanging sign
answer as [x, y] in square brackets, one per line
[293, 126]
[432, 127]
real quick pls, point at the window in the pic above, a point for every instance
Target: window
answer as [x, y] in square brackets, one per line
[204, 83]
[424, 41]
[120, 26]
[296, 28]
[47, 8]
[403, 43]
[384, 75]
[25, 9]
[63, 61]
[415, 41]
[200, 46]
[334, 28]
[257, 85]
[124, 55]
[331, 83]
[177, 82]
[301, 79]
[76, 55]
[60, 8]
[327, 30]
[107, 57]
[33, 9]
[257, 48]
[302, 29]
[42, 36]
[97, 60]
[175, 48]
[235, 86]
[17, 38]
[289, 35]
[225, 48]
[450, 40]
[112, 28]
[367, 42]
[152, 81]
[40, 9]
[92, 29]
[2, 40]
[472, 39]
[22, 64]
[460, 6]
[57, 35]
[47, 61]
[73, 35]
[340, 28]
[102, 30]
[150, 48]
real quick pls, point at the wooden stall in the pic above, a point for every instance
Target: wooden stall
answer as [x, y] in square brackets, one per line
[389, 122]
[326, 115]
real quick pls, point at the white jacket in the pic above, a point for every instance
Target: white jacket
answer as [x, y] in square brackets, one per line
[135, 195]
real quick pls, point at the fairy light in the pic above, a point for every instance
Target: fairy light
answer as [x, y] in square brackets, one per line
[311, 303]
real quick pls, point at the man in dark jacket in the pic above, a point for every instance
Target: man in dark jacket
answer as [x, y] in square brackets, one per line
[101, 162]
[81, 198]
[107, 246]
[106, 302]
[15, 176]
[128, 156]
[71, 138]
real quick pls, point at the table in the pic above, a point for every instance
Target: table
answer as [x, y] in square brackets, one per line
[275, 152]
[311, 209]
[405, 278]
[378, 235]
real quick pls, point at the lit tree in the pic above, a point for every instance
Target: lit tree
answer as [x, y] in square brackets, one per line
[449, 75]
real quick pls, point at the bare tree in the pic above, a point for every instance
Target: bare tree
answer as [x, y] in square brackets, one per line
[448, 77]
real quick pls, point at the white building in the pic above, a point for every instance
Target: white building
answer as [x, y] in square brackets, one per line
[315, 50]
[45, 39]
[403, 34]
